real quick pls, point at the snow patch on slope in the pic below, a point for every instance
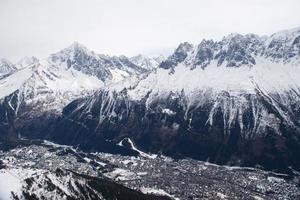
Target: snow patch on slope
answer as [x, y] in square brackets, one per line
[158, 192]
[9, 184]
[133, 147]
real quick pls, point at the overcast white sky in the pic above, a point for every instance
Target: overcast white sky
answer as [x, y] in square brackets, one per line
[129, 27]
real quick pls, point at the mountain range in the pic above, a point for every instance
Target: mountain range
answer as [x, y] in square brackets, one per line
[235, 101]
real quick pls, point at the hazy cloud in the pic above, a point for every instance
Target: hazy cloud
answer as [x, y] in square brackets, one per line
[41, 27]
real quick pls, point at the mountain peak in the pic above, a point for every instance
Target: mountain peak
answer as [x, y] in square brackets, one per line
[6, 61]
[184, 46]
[26, 61]
[233, 35]
[235, 50]
[74, 52]
[6, 67]
[179, 55]
[77, 46]
[239, 38]
[74, 48]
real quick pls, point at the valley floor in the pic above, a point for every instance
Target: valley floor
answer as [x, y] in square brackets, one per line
[56, 171]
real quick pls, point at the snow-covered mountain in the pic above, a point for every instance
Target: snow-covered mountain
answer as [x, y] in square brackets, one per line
[216, 100]
[148, 63]
[6, 67]
[231, 76]
[234, 101]
[104, 67]
[237, 50]
[73, 72]
[26, 61]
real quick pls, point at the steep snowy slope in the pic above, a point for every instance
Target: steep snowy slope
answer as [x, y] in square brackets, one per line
[47, 86]
[232, 90]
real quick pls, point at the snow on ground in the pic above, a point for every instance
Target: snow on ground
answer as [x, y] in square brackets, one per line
[168, 111]
[220, 195]
[49, 143]
[154, 191]
[118, 75]
[275, 179]
[133, 147]
[257, 198]
[9, 183]
[121, 175]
